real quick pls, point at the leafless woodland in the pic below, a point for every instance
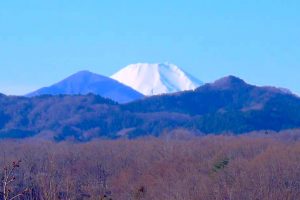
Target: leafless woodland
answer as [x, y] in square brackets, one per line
[254, 167]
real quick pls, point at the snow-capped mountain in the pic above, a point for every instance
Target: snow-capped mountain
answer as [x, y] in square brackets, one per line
[153, 79]
[85, 82]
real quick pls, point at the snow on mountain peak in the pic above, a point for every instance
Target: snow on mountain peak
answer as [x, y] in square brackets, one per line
[153, 79]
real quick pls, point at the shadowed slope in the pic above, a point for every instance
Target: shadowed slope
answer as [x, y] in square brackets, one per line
[227, 105]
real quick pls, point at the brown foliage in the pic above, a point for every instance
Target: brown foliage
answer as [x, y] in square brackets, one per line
[211, 167]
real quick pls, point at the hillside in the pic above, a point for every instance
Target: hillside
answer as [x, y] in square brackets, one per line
[227, 105]
[229, 93]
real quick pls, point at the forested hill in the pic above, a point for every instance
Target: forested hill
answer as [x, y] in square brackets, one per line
[224, 95]
[227, 105]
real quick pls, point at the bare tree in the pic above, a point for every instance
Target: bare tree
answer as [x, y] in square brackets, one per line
[8, 180]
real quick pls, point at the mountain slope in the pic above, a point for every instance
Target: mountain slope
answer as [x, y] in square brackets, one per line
[227, 105]
[85, 82]
[226, 93]
[153, 79]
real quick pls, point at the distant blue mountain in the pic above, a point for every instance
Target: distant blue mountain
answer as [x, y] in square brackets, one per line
[229, 105]
[85, 82]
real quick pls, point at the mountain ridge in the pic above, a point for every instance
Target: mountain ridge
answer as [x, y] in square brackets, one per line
[84, 82]
[227, 90]
[238, 107]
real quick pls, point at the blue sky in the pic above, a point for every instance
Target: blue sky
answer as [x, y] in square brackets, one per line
[42, 42]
